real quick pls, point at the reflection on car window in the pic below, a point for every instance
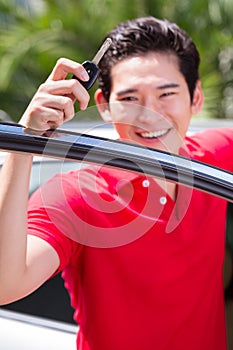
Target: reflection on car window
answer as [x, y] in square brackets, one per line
[45, 169]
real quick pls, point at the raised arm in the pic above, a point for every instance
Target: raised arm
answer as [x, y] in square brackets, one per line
[27, 261]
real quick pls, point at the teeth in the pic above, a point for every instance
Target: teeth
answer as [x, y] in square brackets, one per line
[154, 133]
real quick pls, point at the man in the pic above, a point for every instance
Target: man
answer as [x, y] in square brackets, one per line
[142, 258]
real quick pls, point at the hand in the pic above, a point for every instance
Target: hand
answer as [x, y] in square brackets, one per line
[53, 103]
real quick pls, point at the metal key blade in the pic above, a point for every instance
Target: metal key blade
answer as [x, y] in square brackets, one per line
[102, 51]
[92, 66]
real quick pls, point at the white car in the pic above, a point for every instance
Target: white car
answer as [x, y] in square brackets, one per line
[44, 320]
[23, 332]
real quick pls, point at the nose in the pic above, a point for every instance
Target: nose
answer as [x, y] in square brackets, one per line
[151, 111]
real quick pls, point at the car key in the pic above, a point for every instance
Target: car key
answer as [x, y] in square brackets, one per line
[91, 66]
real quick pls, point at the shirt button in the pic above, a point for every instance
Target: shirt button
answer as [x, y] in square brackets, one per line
[163, 200]
[145, 183]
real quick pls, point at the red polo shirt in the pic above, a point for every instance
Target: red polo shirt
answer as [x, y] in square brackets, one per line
[143, 271]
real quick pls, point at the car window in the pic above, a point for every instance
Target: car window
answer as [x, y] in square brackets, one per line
[44, 169]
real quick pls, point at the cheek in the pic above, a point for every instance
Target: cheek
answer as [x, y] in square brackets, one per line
[118, 111]
[181, 111]
[125, 112]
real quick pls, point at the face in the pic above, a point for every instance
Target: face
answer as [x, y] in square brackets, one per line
[149, 101]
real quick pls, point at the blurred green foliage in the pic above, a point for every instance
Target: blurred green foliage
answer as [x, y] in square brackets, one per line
[35, 33]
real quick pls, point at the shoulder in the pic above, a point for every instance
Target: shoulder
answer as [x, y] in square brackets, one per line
[213, 145]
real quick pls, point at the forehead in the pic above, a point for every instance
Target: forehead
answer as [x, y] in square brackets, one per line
[150, 66]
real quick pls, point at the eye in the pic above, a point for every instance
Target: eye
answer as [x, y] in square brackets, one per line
[167, 94]
[129, 98]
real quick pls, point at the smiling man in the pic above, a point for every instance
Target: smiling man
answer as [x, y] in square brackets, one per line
[150, 103]
[141, 258]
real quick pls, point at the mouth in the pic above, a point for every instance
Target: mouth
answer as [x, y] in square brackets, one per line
[153, 134]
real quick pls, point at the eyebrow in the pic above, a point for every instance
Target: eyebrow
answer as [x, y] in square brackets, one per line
[160, 87]
[127, 91]
[167, 86]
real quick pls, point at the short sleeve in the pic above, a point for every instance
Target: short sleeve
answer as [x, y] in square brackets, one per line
[213, 146]
[49, 219]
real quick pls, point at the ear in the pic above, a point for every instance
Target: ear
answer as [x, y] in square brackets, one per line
[198, 99]
[103, 106]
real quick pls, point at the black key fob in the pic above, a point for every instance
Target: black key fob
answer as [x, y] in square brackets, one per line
[91, 66]
[92, 71]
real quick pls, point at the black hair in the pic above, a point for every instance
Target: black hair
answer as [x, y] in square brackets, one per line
[148, 34]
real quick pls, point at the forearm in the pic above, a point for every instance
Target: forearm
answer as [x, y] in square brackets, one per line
[14, 189]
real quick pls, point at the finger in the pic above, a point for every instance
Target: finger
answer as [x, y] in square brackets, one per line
[65, 66]
[47, 109]
[56, 107]
[42, 118]
[69, 87]
[55, 119]
[67, 106]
